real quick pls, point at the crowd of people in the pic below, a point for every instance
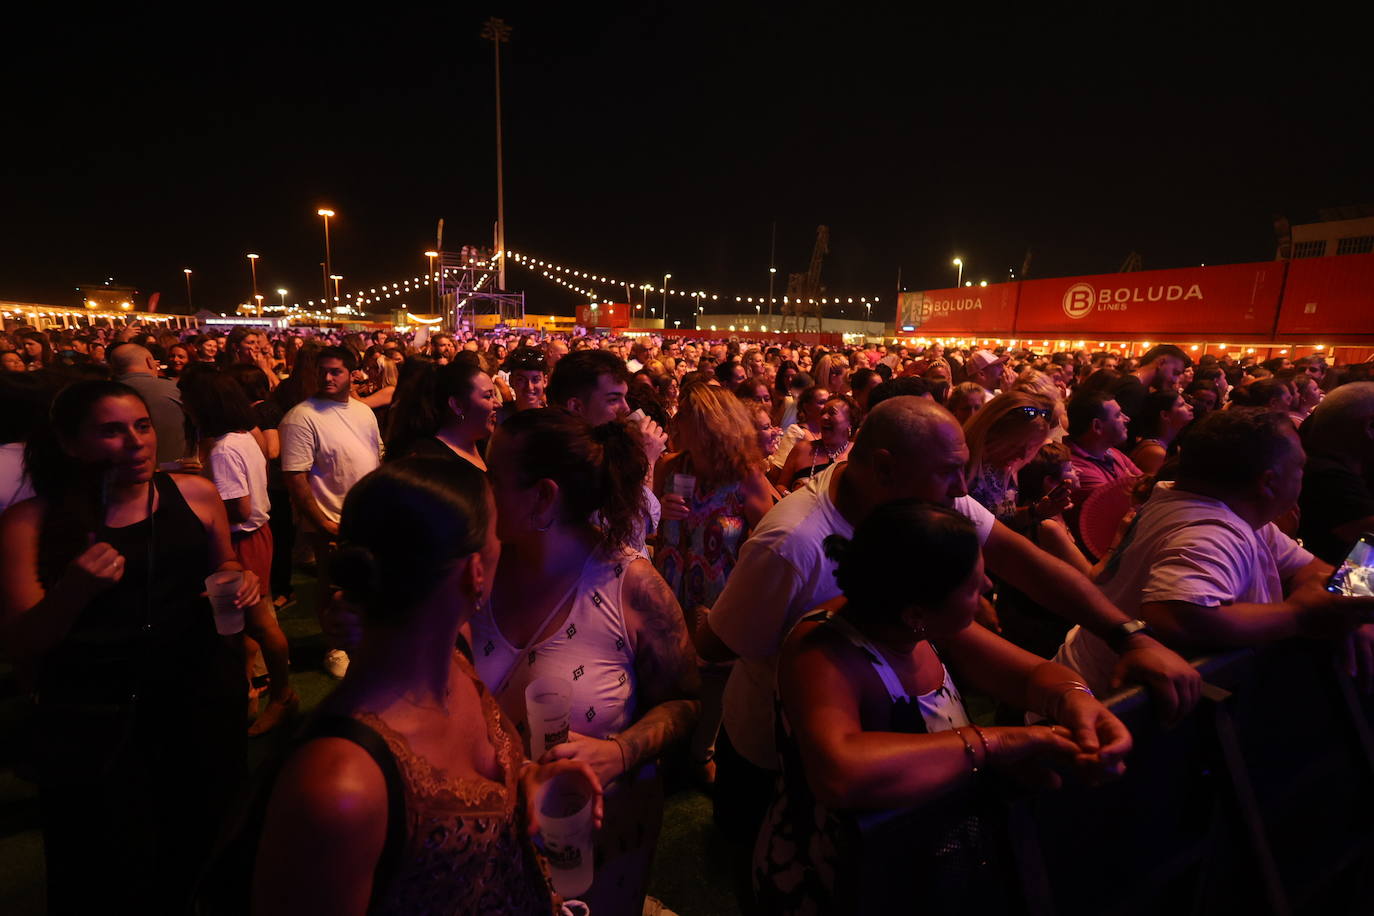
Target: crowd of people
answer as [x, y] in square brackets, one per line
[774, 570]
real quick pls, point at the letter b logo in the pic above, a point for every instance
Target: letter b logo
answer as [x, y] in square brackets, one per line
[1078, 300]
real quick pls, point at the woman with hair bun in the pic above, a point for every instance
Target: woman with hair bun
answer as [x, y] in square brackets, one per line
[411, 736]
[572, 601]
[872, 726]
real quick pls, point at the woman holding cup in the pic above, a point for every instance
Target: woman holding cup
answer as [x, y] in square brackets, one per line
[412, 731]
[713, 491]
[138, 744]
[223, 419]
[573, 604]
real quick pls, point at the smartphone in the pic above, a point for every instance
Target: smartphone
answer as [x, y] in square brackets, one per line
[1355, 575]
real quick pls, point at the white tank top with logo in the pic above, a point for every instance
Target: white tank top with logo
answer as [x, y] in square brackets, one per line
[590, 650]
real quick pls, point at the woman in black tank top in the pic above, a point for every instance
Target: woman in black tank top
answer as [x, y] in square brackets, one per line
[138, 737]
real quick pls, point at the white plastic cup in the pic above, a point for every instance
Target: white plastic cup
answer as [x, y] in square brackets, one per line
[563, 811]
[685, 485]
[223, 588]
[548, 701]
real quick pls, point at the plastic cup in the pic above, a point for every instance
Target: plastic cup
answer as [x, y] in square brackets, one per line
[563, 810]
[223, 587]
[685, 485]
[548, 701]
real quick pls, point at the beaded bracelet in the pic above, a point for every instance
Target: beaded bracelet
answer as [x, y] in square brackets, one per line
[987, 752]
[972, 754]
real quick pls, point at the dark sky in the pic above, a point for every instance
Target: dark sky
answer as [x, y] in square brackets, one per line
[652, 137]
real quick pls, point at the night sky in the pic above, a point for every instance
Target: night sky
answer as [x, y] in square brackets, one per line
[666, 137]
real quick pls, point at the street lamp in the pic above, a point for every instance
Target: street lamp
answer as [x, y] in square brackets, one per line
[336, 278]
[772, 274]
[328, 261]
[189, 303]
[666, 278]
[959, 263]
[498, 33]
[253, 268]
[431, 255]
[281, 292]
[258, 298]
[982, 282]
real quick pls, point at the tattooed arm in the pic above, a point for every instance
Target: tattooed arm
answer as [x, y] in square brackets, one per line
[666, 671]
[665, 662]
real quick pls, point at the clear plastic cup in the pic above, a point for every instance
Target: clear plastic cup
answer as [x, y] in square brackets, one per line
[685, 485]
[222, 588]
[548, 701]
[563, 810]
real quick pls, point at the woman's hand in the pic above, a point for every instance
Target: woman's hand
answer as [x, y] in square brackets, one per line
[99, 567]
[250, 590]
[1054, 502]
[535, 775]
[1103, 740]
[1032, 756]
[674, 507]
[605, 757]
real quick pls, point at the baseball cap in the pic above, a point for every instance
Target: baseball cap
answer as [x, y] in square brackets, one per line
[981, 359]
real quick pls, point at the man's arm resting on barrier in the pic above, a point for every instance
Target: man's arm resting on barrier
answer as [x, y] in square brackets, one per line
[1051, 582]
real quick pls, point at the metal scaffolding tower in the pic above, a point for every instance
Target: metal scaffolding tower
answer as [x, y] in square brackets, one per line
[467, 287]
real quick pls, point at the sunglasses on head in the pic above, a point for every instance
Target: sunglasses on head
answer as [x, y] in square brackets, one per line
[1041, 412]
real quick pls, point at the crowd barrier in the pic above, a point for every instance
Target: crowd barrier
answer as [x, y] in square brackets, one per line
[1260, 802]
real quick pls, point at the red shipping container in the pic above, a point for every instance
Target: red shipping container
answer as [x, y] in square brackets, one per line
[606, 315]
[959, 310]
[1227, 301]
[1332, 297]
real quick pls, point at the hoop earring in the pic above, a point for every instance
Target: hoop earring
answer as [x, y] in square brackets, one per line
[545, 528]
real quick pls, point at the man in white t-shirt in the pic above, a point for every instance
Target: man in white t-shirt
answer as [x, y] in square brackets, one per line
[907, 448]
[328, 443]
[1205, 566]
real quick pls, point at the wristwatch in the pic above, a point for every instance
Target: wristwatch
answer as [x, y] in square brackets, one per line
[1119, 635]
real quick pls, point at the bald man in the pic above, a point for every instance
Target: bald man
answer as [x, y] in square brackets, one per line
[1337, 499]
[908, 447]
[134, 366]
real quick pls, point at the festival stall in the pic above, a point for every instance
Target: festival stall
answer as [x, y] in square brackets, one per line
[1264, 309]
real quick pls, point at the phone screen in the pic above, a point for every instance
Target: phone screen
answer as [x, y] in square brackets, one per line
[1355, 575]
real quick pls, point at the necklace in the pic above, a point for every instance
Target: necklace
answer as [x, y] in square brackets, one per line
[817, 446]
[832, 455]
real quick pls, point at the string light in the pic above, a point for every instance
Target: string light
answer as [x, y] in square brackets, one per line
[552, 271]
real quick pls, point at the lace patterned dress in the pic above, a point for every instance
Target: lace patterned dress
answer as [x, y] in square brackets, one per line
[466, 850]
[698, 552]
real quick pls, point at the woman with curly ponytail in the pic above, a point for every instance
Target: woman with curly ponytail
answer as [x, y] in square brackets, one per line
[406, 792]
[571, 601]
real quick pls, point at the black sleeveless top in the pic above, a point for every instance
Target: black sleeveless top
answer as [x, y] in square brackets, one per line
[939, 858]
[151, 633]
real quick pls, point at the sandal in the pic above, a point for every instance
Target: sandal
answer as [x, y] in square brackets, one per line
[277, 712]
